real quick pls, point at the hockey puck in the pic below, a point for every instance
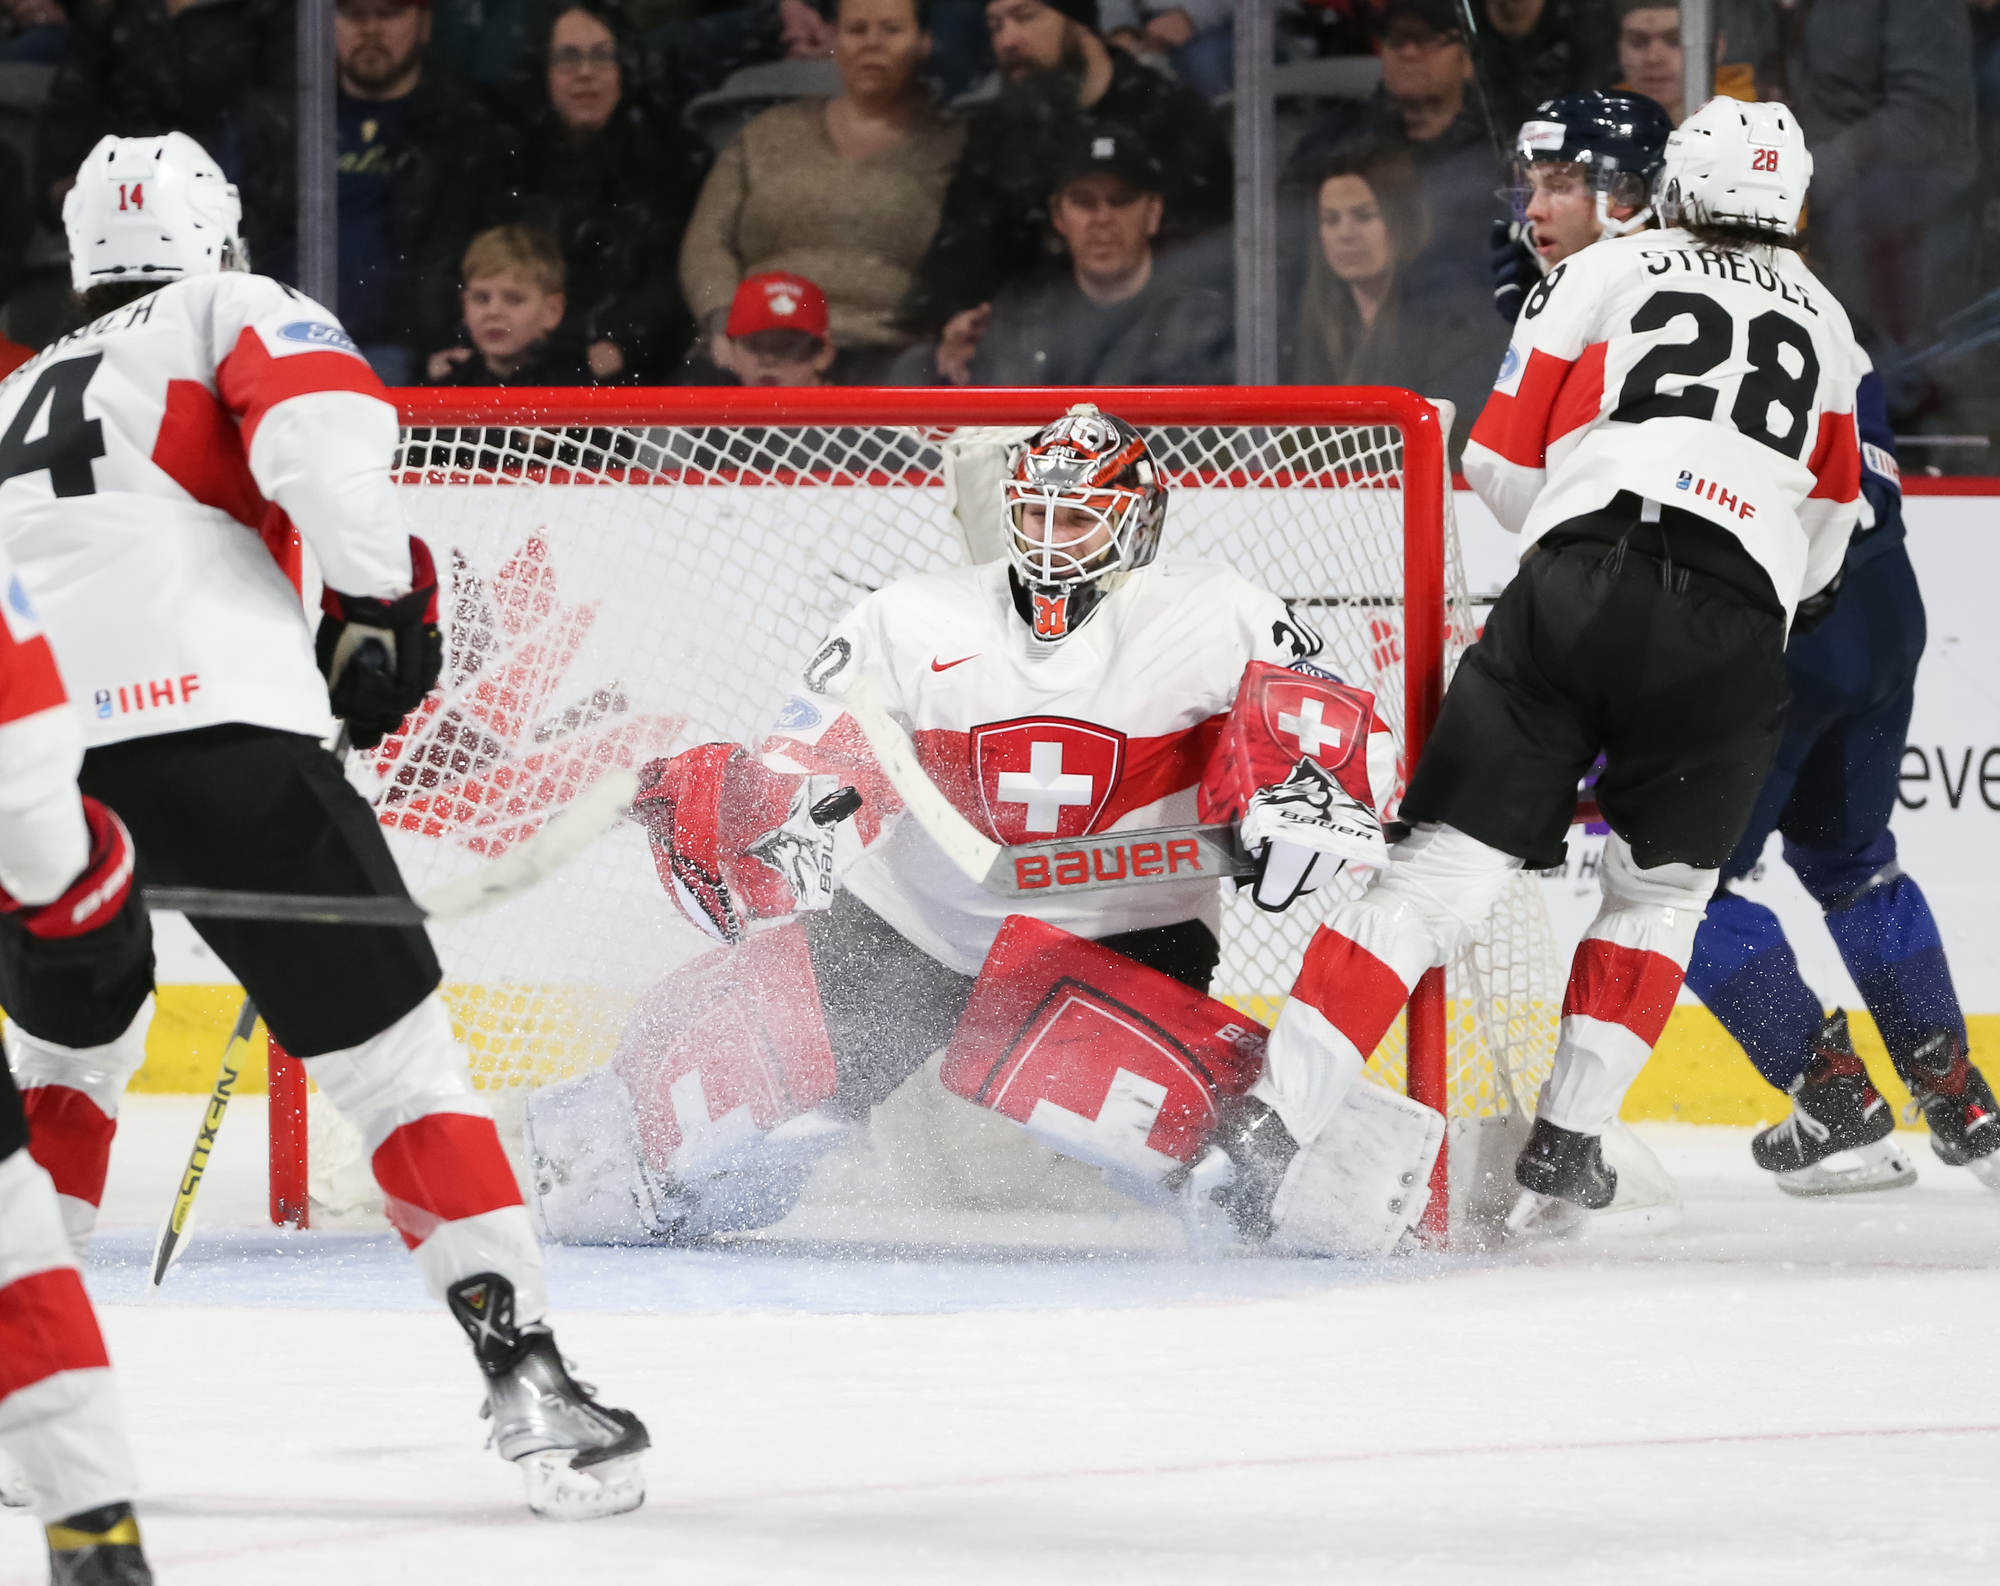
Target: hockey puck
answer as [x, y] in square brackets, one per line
[836, 806]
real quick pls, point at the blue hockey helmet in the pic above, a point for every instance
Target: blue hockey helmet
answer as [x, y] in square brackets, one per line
[1618, 139]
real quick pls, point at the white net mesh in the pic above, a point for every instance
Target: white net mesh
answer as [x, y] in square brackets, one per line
[615, 594]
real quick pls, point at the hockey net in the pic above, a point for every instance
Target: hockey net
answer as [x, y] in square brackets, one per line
[629, 573]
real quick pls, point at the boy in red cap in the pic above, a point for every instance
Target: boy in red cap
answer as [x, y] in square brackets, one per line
[776, 332]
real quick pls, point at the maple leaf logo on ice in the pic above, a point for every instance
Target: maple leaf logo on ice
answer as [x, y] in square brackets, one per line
[506, 738]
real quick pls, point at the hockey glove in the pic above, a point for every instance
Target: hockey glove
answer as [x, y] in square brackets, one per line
[1301, 831]
[1513, 266]
[381, 657]
[735, 842]
[99, 891]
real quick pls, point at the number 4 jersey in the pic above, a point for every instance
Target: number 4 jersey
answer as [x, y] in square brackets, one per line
[159, 470]
[1715, 381]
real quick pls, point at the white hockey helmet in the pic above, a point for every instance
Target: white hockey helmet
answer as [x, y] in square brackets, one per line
[1735, 162]
[151, 209]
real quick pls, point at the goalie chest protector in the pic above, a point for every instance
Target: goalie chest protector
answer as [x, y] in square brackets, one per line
[1108, 731]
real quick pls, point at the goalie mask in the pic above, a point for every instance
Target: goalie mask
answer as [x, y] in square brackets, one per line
[1084, 508]
[151, 209]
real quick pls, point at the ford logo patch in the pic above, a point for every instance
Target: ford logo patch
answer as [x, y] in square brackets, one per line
[317, 333]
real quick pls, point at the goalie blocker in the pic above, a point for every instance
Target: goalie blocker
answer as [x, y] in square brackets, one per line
[726, 1092]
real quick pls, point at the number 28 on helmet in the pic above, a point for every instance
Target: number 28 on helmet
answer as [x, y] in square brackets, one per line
[1084, 509]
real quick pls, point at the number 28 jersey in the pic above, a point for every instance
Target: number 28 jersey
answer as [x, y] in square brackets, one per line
[1715, 381]
[160, 470]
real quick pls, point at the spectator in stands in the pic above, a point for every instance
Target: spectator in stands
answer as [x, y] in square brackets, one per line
[1119, 313]
[33, 32]
[1057, 73]
[1370, 314]
[777, 333]
[614, 182]
[1533, 50]
[701, 42]
[1884, 94]
[514, 311]
[1650, 59]
[138, 68]
[1194, 40]
[844, 191]
[410, 147]
[1423, 109]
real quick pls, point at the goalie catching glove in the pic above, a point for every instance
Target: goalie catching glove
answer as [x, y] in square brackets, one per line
[381, 657]
[1297, 766]
[735, 841]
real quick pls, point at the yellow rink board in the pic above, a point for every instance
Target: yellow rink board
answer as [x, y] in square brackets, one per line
[1697, 1075]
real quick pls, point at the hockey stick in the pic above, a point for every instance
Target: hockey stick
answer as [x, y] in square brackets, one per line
[167, 1248]
[565, 834]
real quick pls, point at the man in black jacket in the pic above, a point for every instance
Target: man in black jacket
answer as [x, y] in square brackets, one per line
[1057, 73]
[410, 144]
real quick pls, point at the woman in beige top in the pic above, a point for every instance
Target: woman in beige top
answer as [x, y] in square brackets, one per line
[843, 191]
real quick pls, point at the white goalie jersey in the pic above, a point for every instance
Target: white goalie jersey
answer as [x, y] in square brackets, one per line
[1110, 730]
[1719, 382]
[162, 472]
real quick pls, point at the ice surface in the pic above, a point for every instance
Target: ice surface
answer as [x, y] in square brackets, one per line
[1775, 1391]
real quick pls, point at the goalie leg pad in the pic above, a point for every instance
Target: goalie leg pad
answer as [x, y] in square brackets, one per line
[70, 1095]
[447, 1186]
[1097, 1056]
[1623, 981]
[1364, 1181]
[705, 1121]
[59, 1413]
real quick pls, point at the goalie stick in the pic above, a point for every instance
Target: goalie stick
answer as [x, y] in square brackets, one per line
[563, 836]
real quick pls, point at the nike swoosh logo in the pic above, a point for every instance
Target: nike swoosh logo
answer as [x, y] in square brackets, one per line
[946, 666]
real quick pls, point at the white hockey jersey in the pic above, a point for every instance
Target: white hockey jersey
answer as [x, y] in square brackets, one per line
[1719, 382]
[158, 470]
[1109, 730]
[43, 840]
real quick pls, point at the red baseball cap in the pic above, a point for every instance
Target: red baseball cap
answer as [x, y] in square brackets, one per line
[777, 301]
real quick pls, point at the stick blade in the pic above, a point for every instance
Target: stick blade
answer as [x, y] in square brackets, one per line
[564, 835]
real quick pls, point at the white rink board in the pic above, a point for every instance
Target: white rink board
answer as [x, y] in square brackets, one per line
[1948, 825]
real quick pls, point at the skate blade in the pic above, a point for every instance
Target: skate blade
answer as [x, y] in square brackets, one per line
[1550, 1217]
[1883, 1165]
[556, 1491]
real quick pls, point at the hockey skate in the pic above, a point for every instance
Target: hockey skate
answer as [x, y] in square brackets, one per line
[580, 1459]
[1239, 1175]
[1562, 1174]
[1958, 1105]
[1840, 1137]
[98, 1548]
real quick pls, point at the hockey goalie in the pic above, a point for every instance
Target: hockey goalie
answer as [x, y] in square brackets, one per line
[1075, 688]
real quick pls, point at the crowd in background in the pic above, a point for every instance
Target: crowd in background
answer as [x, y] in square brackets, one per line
[1005, 192]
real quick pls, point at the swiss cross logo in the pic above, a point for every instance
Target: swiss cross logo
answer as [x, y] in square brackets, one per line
[1307, 716]
[1051, 616]
[1045, 776]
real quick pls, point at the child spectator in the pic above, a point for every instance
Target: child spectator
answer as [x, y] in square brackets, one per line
[513, 300]
[776, 334]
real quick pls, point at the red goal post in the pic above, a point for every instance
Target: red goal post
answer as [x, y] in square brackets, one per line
[1343, 443]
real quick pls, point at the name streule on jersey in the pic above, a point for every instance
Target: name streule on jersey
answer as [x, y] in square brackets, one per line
[1109, 731]
[1718, 381]
[159, 469]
